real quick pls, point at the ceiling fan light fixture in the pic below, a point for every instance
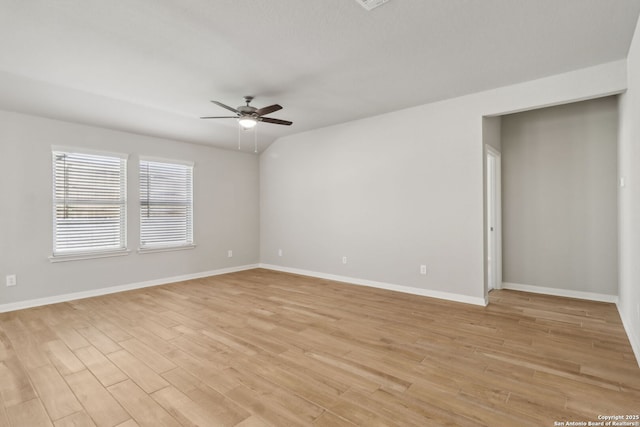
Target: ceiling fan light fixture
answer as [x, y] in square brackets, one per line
[247, 122]
[371, 4]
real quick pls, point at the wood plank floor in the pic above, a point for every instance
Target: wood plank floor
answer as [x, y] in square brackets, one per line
[267, 348]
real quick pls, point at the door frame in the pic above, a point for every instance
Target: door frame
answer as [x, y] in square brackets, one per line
[497, 205]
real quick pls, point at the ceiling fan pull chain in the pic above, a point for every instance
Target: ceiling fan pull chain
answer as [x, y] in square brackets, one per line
[255, 139]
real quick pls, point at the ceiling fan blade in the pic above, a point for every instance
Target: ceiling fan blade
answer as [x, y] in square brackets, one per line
[225, 106]
[275, 121]
[268, 110]
[220, 117]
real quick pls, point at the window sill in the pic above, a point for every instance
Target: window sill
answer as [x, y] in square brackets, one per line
[88, 255]
[165, 249]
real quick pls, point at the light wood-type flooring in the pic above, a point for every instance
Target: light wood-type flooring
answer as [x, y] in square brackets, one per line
[266, 348]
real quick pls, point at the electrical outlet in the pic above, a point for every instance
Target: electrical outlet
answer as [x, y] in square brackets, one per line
[229, 253]
[11, 280]
[423, 270]
[279, 252]
[344, 259]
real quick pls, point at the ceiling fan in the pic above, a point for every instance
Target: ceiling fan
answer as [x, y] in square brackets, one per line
[249, 116]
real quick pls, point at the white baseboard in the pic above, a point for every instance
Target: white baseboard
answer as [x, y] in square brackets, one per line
[632, 334]
[113, 289]
[560, 292]
[381, 285]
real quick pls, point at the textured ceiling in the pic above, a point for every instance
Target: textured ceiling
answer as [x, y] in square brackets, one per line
[151, 66]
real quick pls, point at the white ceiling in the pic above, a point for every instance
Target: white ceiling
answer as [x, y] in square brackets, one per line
[151, 66]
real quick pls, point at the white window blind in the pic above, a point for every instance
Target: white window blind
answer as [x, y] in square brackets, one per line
[166, 204]
[89, 203]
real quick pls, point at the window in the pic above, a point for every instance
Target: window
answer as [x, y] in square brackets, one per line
[166, 205]
[89, 204]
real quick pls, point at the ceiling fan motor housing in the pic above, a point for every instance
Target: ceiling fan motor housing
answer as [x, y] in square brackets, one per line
[246, 110]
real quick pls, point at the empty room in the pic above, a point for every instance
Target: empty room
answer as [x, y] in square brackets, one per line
[334, 213]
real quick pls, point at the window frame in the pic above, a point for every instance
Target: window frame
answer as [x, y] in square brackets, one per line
[146, 249]
[82, 254]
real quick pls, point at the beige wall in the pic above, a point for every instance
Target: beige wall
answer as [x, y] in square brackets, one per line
[492, 132]
[559, 198]
[399, 190]
[629, 155]
[225, 210]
